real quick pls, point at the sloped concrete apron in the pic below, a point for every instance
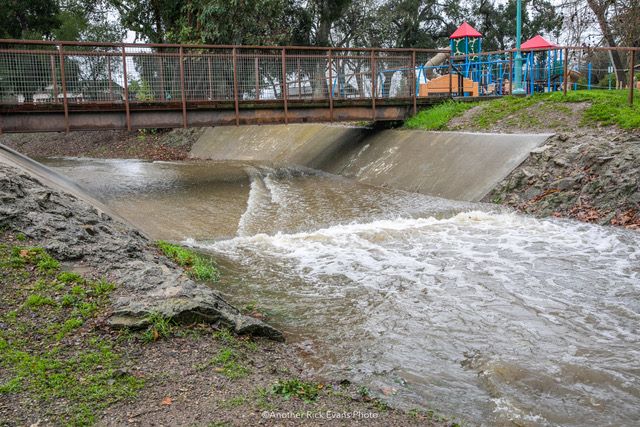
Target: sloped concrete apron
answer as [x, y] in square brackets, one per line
[82, 236]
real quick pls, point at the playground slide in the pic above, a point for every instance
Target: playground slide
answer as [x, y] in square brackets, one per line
[434, 62]
[574, 75]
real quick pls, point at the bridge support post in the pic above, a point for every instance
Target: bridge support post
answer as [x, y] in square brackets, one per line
[283, 89]
[182, 91]
[126, 88]
[329, 61]
[65, 101]
[373, 84]
[234, 57]
[413, 82]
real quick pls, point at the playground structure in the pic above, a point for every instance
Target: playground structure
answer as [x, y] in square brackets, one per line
[470, 72]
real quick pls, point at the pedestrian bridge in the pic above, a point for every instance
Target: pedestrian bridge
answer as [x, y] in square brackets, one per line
[64, 86]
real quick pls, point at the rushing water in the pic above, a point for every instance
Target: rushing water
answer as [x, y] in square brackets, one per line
[495, 317]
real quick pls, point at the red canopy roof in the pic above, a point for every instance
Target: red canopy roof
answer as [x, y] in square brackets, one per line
[465, 30]
[538, 42]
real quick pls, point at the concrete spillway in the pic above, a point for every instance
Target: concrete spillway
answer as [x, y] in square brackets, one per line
[453, 165]
[51, 178]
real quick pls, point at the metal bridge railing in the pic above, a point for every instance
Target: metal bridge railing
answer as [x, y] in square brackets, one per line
[83, 76]
[42, 72]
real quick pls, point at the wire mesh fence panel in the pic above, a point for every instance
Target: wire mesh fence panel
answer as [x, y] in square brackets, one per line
[41, 74]
[308, 74]
[351, 75]
[393, 75]
[29, 75]
[259, 73]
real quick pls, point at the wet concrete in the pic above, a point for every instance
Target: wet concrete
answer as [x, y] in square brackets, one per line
[454, 165]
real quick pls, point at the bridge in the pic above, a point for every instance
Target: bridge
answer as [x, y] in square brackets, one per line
[64, 86]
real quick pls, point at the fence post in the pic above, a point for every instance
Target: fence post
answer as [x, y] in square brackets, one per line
[329, 59]
[234, 58]
[451, 76]
[510, 72]
[565, 71]
[283, 88]
[632, 70]
[299, 80]
[414, 83]
[64, 89]
[182, 91]
[161, 72]
[210, 77]
[126, 89]
[54, 79]
[373, 84]
[257, 71]
[110, 83]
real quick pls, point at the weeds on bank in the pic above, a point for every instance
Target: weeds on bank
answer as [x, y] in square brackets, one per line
[49, 351]
[303, 390]
[198, 266]
[228, 363]
[158, 327]
[231, 360]
[438, 116]
[607, 108]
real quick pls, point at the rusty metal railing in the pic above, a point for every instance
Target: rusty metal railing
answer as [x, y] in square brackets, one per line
[49, 75]
[67, 76]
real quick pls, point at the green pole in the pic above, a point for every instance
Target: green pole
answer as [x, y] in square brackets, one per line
[518, 90]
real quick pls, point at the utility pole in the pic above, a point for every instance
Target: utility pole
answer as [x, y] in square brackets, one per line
[517, 87]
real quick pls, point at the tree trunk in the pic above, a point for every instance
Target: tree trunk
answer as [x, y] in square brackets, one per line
[600, 11]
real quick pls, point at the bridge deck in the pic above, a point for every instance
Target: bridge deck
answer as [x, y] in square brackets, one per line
[63, 86]
[102, 116]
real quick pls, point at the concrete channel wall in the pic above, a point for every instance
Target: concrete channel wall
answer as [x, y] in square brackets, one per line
[453, 165]
[52, 179]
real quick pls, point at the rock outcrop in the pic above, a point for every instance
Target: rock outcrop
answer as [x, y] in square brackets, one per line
[84, 238]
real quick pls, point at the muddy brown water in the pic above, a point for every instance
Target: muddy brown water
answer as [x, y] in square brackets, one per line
[482, 314]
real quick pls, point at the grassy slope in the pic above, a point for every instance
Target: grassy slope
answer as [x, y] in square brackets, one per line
[61, 366]
[607, 108]
[52, 355]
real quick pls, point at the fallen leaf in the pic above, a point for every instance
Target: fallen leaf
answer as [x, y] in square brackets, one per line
[387, 391]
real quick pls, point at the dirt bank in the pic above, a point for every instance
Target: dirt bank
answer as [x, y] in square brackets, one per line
[66, 271]
[587, 171]
[162, 144]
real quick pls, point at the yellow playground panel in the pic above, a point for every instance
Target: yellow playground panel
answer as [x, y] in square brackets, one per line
[441, 85]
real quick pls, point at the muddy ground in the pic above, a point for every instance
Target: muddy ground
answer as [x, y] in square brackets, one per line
[160, 144]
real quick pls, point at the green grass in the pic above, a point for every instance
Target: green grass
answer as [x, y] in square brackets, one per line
[438, 116]
[304, 390]
[607, 108]
[227, 362]
[159, 327]
[68, 376]
[198, 266]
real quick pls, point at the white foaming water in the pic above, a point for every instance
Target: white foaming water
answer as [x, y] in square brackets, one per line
[464, 308]
[499, 317]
